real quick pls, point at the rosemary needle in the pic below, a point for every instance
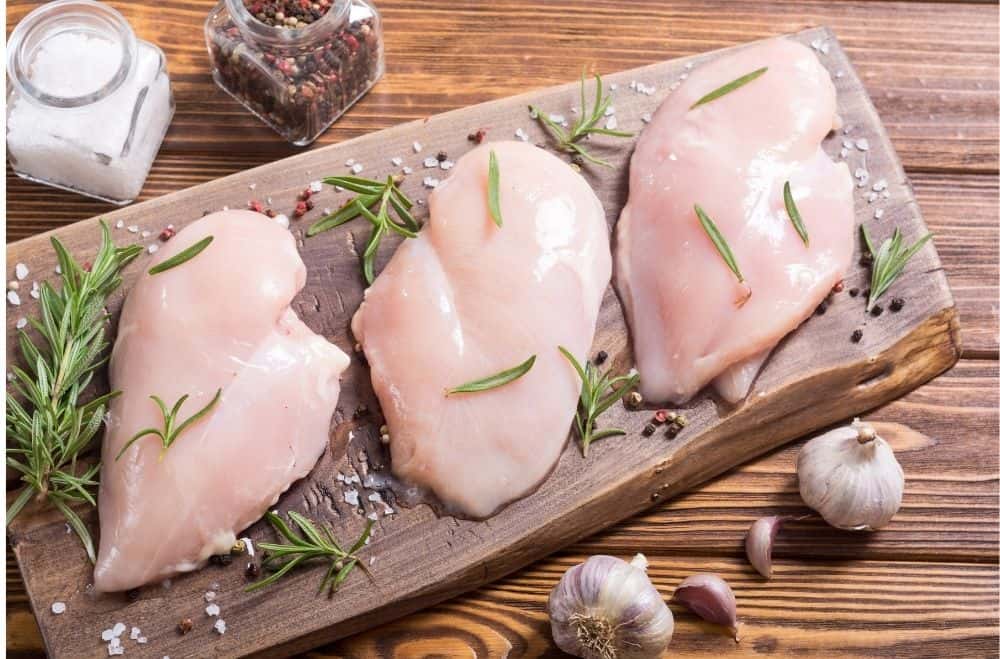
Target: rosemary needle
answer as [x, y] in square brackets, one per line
[314, 543]
[494, 189]
[597, 394]
[586, 125]
[793, 214]
[182, 257]
[48, 426]
[888, 261]
[719, 241]
[729, 87]
[171, 430]
[495, 380]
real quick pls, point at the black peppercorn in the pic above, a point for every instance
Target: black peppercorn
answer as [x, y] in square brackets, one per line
[876, 311]
[252, 570]
[896, 304]
[600, 358]
[853, 292]
[856, 336]
[132, 595]
[821, 309]
[442, 156]
[648, 430]
[221, 560]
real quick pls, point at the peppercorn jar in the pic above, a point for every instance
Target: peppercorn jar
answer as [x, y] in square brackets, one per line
[296, 64]
[88, 104]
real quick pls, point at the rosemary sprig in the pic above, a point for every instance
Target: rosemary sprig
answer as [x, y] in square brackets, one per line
[719, 241]
[494, 189]
[371, 193]
[171, 429]
[182, 257]
[286, 556]
[585, 126]
[793, 214]
[494, 381]
[729, 87]
[888, 261]
[596, 396]
[48, 426]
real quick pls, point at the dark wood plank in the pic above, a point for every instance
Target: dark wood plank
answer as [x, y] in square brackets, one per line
[814, 378]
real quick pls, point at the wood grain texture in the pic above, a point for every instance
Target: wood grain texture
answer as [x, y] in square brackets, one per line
[816, 376]
[931, 69]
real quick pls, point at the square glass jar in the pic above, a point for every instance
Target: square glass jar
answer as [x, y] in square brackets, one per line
[297, 73]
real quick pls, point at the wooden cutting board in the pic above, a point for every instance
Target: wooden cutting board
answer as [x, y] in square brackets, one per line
[815, 377]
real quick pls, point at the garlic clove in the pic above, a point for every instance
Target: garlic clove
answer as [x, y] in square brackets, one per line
[710, 598]
[851, 477]
[760, 541]
[606, 608]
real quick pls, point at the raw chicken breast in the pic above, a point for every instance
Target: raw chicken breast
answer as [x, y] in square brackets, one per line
[731, 156]
[220, 320]
[467, 299]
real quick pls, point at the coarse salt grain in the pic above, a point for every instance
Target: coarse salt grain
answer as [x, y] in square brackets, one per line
[357, 168]
[281, 219]
[252, 186]
[872, 197]
[153, 249]
[107, 635]
[58, 270]
[417, 147]
[862, 144]
[133, 228]
[350, 162]
[396, 161]
[430, 182]
[611, 123]
[558, 118]
[58, 607]
[135, 633]
[315, 186]
[13, 298]
[880, 185]
[20, 271]
[351, 497]
[220, 626]
[212, 610]
[21, 323]
[407, 170]
[115, 650]
[142, 640]
[521, 135]
[610, 110]
[646, 117]
[372, 516]
[146, 234]
[210, 596]
[431, 163]
[879, 213]
[447, 164]
[118, 629]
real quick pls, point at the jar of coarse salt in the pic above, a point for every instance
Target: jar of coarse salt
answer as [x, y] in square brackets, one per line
[88, 103]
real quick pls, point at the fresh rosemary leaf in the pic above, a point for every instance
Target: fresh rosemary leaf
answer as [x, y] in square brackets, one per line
[793, 214]
[496, 380]
[584, 126]
[171, 430]
[188, 254]
[719, 241]
[494, 189]
[314, 543]
[888, 261]
[48, 427]
[597, 395]
[374, 201]
[729, 86]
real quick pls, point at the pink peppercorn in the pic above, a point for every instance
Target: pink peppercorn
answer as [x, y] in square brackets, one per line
[300, 209]
[167, 234]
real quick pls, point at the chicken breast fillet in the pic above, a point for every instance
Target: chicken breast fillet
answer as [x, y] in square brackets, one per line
[467, 299]
[220, 321]
[732, 157]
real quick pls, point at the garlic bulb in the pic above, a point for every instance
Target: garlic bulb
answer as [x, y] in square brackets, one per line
[851, 477]
[606, 608]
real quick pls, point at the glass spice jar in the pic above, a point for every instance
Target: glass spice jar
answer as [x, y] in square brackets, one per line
[88, 104]
[296, 64]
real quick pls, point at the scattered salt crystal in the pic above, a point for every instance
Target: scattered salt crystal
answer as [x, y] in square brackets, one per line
[885, 194]
[153, 249]
[281, 219]
[118, 629]
[880, 185]
[351, 497]
[336, 188]
[397, 161]
[252, 186]
[119, 224]
[447, 164]
[407, 170]
[10, 378]
[107, 635]
[135, 633]
[609, 111]
[339, 477]
[558, 118]
[372, 516]
[389, 510]
[142, 640]
[838, 74]
[879, 213]
[13, 298]
[611, 123]
[220, 626]
[848, 143]
[431, 163]
[20, 271]
[146, 234]
[212, 610]
[357, 168]
[115, 648]
[574, 110]
[58, 607]
[614, 86]
[689, 66]
[135, 229]
[327, 211]
[861, 174]
[872, 197]
[350, 162]
[816, 44]
[417, 147]
[844, 153]
[21, 323]
[825, 48]
[210, 596]
[316, 186]
[521, 135]
[646, 117]
[430, 182]
[270, 202]
[862, 144]
[58, 270]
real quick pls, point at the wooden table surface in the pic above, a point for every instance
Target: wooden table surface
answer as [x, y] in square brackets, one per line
[925, 586]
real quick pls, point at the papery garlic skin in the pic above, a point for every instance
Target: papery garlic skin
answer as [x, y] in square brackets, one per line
[606, 608]
[851, 477]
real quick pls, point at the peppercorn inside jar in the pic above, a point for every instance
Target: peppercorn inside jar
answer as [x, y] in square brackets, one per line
[296, 64]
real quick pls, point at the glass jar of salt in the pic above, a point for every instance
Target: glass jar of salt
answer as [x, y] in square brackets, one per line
[296, 64]
[88, 103]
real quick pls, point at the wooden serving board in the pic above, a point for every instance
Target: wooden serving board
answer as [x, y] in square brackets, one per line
[815, 377]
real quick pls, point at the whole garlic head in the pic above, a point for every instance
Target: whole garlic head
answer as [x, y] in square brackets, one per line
[605, 608]
[851, 477]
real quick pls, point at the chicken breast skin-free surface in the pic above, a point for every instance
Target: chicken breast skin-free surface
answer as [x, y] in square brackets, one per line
[218, 321]
[690, 318]
[467, 299]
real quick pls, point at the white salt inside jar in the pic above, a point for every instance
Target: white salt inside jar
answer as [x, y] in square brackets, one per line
[88, 104]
